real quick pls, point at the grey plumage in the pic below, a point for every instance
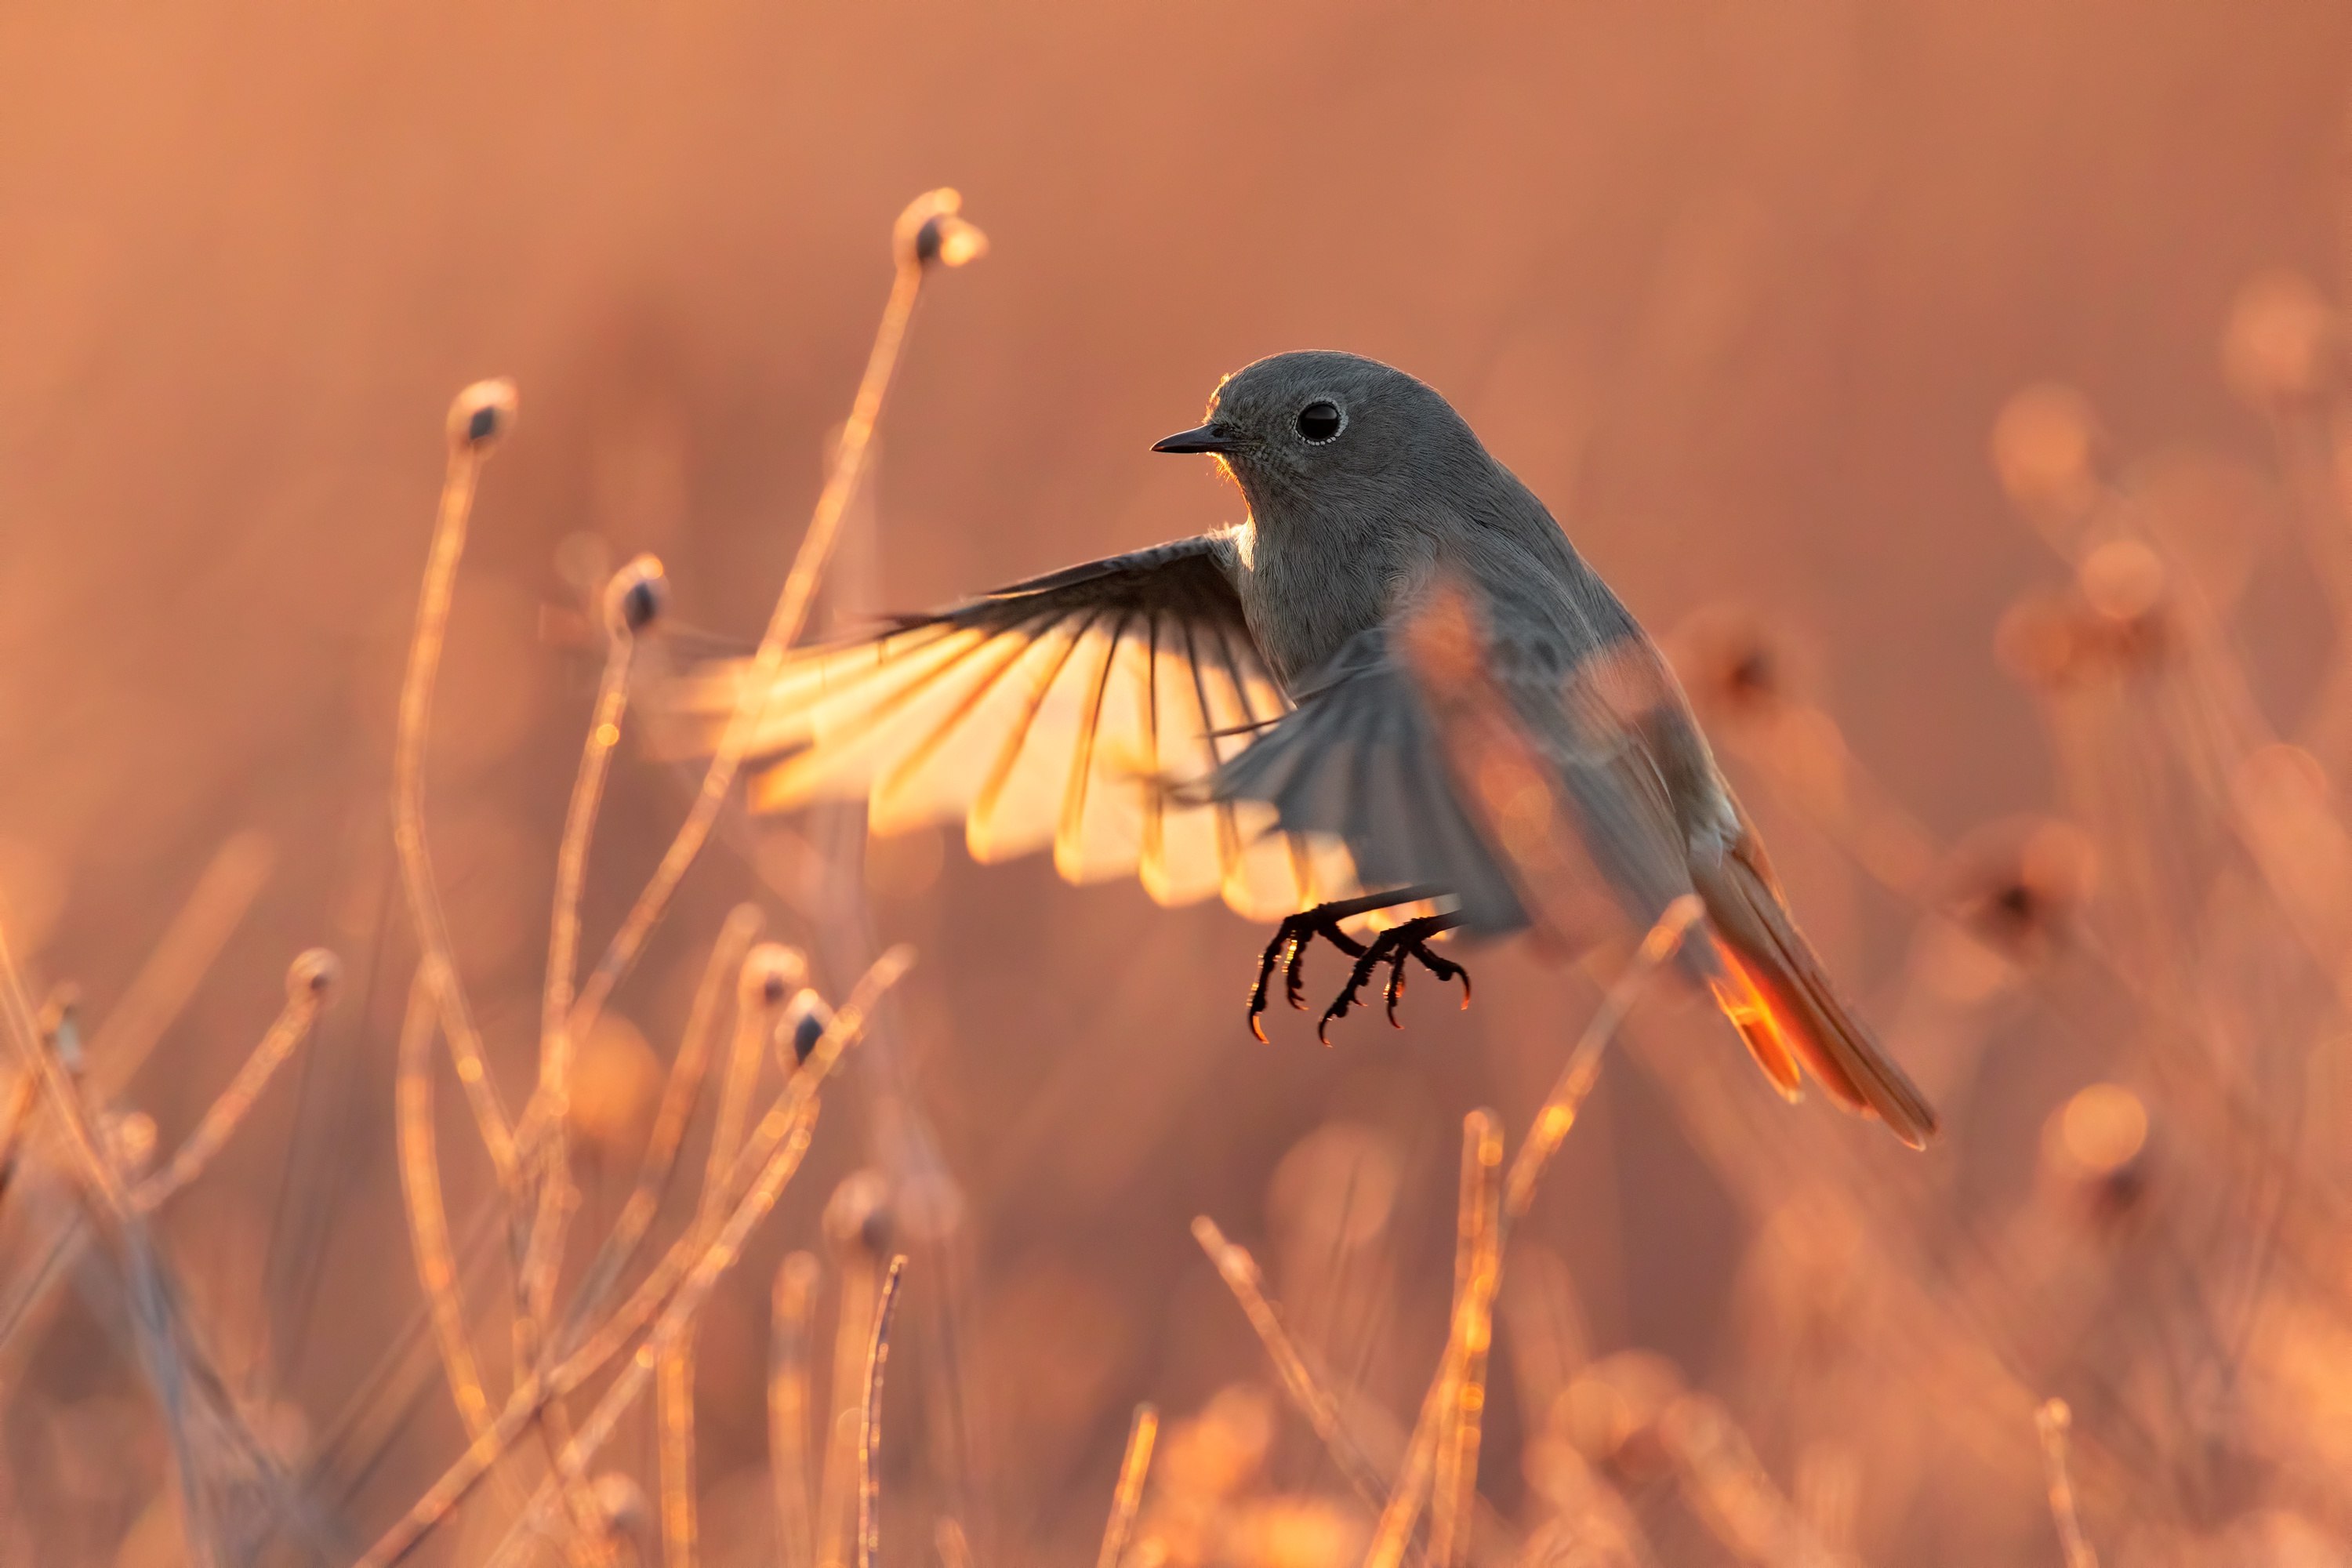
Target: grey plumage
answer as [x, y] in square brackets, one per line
[1138, 703]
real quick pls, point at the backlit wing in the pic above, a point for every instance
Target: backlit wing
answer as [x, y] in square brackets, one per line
[1070, 711]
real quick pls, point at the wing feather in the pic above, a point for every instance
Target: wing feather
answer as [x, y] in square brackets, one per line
[1080, 712]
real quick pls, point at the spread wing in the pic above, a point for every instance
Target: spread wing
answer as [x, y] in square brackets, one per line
[1069, 710]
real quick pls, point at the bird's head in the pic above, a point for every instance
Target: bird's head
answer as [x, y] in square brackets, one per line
[1305, 431]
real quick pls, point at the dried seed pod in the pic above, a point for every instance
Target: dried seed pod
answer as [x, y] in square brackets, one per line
[315, 972]
[2056, 642]
[2283, 346]
[2096, 1152]
[625, 1513]
[2020, 885]
[2047, 448]
[804, 1026]
[1735, 664]
[480, 415]
[930, 231]
[771, 973]
[2122, 580]
[857, 1218]
[1611, 1409]
[636, 596]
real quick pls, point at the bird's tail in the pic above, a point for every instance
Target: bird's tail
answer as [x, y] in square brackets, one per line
[1777, 995]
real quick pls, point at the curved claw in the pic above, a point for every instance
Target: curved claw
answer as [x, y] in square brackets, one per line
[1381, 951]
[1294, 984]
[1393, 947]
[1265, 978]
[1289, 949]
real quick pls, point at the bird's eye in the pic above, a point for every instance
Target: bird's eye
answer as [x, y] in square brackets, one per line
[1320, 420]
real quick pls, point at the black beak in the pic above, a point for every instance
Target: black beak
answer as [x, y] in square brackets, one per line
[1207, 438]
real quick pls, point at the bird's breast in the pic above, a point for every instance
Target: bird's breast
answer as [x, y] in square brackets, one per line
[1304, 604]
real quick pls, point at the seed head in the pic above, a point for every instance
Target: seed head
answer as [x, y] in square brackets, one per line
[2059, 641]
[930, 231]
[857, 1218]
[482, 415]
[2020, 886]
[2096, 1150]
[315, 972]
[636, 596]
[806, 1025]
[1611, 1411]
[1735, 665]
[2046, 447]
[2284, 345]
[623, 1510]
[771, 973]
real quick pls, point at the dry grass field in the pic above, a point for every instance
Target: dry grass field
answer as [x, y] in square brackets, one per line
[439, 1124]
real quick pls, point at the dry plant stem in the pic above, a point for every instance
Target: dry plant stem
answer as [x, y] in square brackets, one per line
[2052, 1421]
[774, 1155]
[752, 1022]
[784, 626]
[156, 994]
[1584, 1068]
[790, 1114]
[794, 1302]
[104, 1190]
[292, 1026]
[1470, 1329]
[1128, 1499]
[674, 1408]
[408, 807]
[545, 1119]
[869, 1425]
[679, 1095]
[99, 1175]
[1454, 1494]
[1240, 1272]
[428, 1218]
[837, 1520]
[1404, 1507]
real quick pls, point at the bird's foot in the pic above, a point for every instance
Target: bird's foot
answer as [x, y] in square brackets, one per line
[1393, 947]
[1291, 940]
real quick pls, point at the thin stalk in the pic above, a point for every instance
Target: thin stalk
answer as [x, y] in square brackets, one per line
[1455, 1488]
[1128, 1500]
[546, 1119]
[680, 1096]
[428, 1216]
[1240, 1273]
[2052, 1422]
[674, 1408]
[794, 1304]
[869, 1426]
[774, 1155]
[474, 420]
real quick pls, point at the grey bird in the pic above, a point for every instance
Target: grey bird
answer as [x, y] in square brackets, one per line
[1231, 713]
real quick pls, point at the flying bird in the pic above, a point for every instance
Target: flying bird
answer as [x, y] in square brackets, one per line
[1231, 714]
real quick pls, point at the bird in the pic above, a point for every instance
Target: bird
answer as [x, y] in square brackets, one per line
[1231, 713]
